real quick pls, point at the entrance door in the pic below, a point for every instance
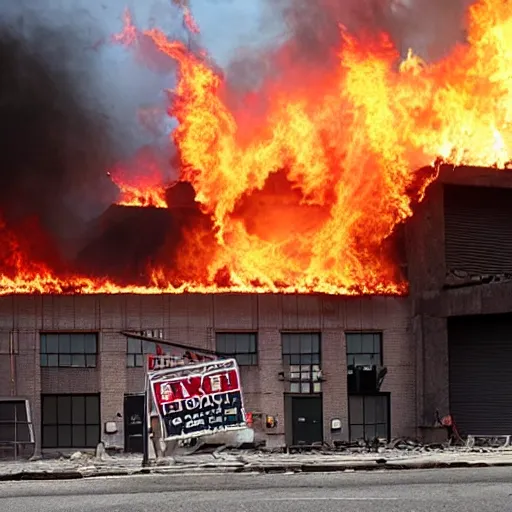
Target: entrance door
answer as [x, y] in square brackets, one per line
[133, 423]
[307, 425]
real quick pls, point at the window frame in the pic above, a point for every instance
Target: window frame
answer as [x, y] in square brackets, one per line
[383, 394]
[71, 424]
[302, 365]
[16, 421]
[137, 359]
[380, 353]
[146, 348]
[252, 354]
[56, 358]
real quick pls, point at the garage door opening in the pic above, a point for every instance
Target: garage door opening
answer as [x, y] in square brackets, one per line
[480, 373]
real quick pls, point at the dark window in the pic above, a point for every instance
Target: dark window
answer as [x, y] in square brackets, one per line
[368, 416]
[136, 350]
[301, 357]
[69, 350]
[15, 424]
[364, 348]
[71, 421]
[242, 346]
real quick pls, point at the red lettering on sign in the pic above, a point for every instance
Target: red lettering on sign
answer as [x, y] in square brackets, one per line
[196, 386]
[191, 387]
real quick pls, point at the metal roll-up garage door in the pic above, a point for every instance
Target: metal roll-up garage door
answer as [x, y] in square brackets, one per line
[478, 229]
[480, 373]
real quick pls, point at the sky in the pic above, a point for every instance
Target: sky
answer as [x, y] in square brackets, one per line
[225, 24]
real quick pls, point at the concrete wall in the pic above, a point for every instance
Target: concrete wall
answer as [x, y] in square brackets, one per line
[431, 302]
[194, 319]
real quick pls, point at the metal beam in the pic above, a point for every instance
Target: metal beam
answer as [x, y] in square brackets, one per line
[170, 343]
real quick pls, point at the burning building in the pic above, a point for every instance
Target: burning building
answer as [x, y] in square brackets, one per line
[346, 240]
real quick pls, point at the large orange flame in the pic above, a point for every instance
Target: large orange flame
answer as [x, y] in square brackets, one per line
[303, 198]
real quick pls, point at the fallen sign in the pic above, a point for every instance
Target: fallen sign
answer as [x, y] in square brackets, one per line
[198, 399]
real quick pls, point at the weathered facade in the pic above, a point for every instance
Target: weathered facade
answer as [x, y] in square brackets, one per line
[460, 259]
[446, 347]
[25, 321]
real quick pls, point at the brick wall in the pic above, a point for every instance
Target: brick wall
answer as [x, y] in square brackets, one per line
[113, 383]
[7, 358]
[70, 380]
[194, 319]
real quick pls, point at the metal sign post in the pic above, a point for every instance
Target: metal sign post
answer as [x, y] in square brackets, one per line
[145, 428]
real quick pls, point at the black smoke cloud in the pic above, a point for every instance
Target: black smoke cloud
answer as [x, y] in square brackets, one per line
[66, 119]
[56, 146]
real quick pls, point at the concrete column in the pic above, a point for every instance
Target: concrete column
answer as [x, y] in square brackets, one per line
[435, 368]
[425, 244]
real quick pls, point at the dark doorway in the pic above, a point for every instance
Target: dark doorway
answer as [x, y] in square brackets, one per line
[480, 357]
[306, 415]
[133, 423]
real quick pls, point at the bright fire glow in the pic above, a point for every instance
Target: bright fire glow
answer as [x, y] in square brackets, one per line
[145, 186]
[303, 198]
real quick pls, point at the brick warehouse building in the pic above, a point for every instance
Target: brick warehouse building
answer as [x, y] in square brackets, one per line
[447, 346]
[269, 334]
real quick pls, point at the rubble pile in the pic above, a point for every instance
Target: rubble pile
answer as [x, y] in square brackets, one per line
[400, 454]
[460, 279]
[359, 447]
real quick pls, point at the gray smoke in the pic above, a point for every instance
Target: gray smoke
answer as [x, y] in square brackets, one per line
[70, 108]
[430, 27]
[306, 34]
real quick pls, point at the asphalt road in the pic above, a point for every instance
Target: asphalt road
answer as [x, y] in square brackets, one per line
[465, 490]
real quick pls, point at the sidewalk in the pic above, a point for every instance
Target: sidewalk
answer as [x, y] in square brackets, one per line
[85, 465]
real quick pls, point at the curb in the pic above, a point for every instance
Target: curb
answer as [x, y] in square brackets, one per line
[40, 475]
[248, 469]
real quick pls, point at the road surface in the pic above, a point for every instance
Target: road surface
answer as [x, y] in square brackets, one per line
[465, 490]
